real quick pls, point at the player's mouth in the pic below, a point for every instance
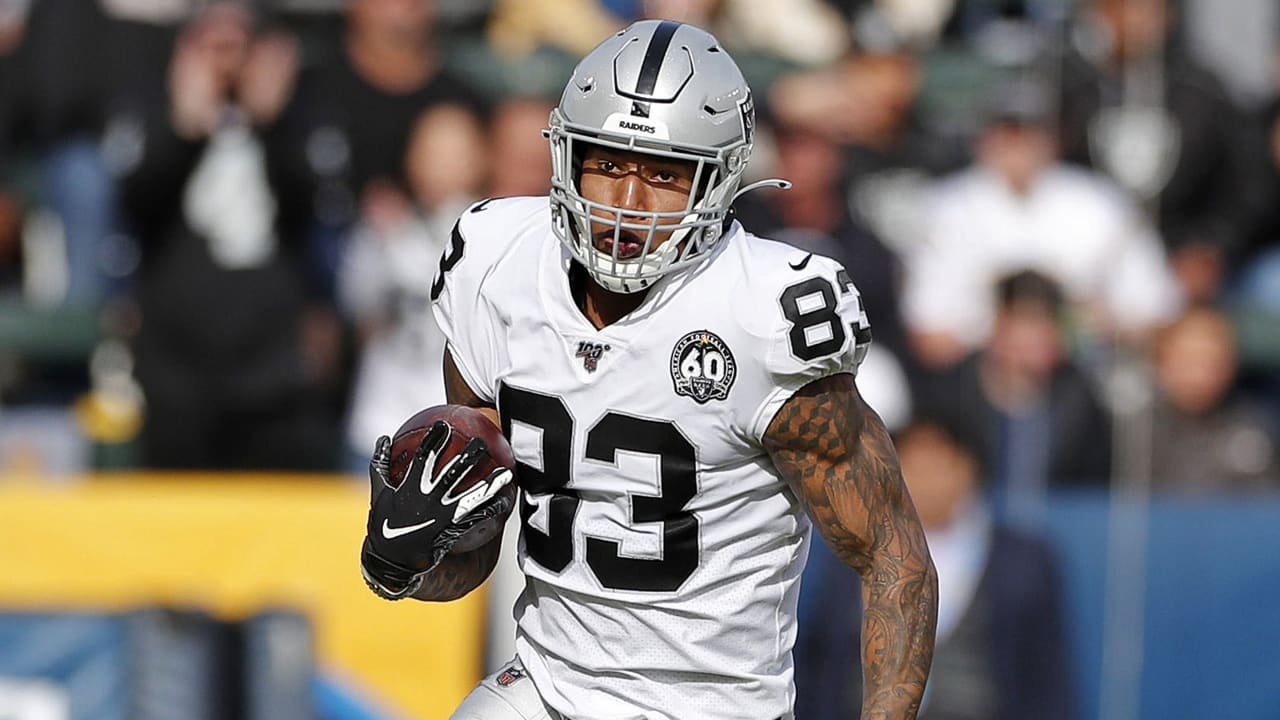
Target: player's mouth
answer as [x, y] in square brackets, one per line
[629, 244]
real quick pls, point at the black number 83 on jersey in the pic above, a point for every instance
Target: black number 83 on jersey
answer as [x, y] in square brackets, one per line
[613, 433]
[817, 330]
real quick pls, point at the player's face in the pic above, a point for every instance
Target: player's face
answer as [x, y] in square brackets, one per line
[633, 181]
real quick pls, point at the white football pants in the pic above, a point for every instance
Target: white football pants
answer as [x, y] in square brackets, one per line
[507, 694]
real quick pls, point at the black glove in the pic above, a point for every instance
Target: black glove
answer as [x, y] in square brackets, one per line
[413, 526]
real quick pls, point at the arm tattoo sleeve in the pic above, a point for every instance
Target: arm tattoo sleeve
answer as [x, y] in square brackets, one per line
[836, 454]
[459, 574]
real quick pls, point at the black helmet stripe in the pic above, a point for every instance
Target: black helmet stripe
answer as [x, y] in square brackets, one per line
[653, 56]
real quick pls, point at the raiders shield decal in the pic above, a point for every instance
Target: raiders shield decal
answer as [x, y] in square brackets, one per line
[702, 367]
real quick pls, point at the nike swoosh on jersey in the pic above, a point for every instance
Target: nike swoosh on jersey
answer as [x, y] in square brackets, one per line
[801, 265]
[391, 533]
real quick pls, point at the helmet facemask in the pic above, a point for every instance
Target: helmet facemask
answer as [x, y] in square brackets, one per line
[690, 234]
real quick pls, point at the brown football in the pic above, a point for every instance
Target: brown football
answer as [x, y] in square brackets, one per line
[467, 423]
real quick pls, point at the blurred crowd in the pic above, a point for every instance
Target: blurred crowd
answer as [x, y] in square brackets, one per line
[220, 219]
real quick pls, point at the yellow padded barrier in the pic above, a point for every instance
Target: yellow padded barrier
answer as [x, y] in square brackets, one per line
[233, 545]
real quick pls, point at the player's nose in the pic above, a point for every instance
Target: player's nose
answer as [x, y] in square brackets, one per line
[631, 193]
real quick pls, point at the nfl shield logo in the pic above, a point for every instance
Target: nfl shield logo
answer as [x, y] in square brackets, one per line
[507, 677]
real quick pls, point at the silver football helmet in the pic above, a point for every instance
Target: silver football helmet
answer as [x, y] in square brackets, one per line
[667, 89]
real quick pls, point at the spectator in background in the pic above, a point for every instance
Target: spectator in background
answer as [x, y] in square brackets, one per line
[515, 135]
[380, 281]
[1020, 207]
[1206, 439]
[54, 86]
[232, 364]
[1001, 651]
[1035, 415]
[1138, 107]
[868, 104]
[347, 126]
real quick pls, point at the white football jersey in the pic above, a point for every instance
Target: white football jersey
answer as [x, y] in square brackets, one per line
[662, 550]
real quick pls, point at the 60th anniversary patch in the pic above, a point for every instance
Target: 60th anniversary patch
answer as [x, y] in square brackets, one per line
[702, 367]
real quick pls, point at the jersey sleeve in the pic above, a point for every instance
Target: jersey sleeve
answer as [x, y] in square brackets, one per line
[461, 308]
[815, 327]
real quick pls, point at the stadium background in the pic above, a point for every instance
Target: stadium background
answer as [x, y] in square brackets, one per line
[229, 590]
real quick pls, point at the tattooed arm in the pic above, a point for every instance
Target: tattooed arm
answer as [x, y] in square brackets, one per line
[460, 573]
[836, 454]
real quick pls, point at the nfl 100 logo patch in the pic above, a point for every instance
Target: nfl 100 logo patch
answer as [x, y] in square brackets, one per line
[590, 354]
[702, 367]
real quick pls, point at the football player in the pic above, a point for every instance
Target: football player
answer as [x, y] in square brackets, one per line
[681, 401]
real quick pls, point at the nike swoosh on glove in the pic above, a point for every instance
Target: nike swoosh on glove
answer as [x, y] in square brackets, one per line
[414, 524]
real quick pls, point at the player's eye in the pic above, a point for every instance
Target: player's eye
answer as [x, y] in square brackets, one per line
[672, 177]
[606, 165]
